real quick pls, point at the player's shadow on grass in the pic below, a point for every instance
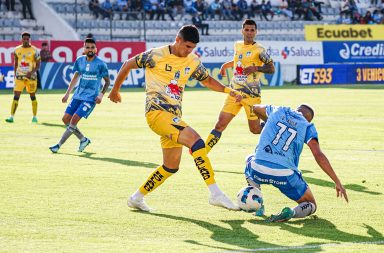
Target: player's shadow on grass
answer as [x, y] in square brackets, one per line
[321, 182]
[323, 229]
[53, 125]
[234, 235]
[89, 155]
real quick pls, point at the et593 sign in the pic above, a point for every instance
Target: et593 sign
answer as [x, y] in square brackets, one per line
[340, 74]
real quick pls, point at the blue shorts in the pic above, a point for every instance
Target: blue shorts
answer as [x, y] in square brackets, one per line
[82, 108]
[288, 181]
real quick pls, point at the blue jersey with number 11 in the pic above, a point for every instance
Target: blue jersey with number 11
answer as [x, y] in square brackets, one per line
[283, 138]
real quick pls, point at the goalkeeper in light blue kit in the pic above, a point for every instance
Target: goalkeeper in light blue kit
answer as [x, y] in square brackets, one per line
[89, 69]
[277, 156]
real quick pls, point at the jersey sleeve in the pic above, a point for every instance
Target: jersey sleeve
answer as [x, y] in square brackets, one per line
[145, 59]
[104, 70]
[200, 73]
[76, 67]
[264, 56]
[269, 109]
[311, 133]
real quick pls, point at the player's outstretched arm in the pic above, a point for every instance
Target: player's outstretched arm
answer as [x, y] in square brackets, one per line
[212, 84]
[325, 165]
[107, 82]
[74, 81]
[114, 95]
[224, 67]
[260, 111]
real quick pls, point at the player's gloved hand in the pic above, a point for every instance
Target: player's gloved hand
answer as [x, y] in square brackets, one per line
[114, 96]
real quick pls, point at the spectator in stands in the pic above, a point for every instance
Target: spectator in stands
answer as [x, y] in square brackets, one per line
[121, 7]
[283, 9]
[215, 8]
[298, 8]
[235, 10]
[349, 7]
[255, 8]
[176, 6]
[10, 4]
[106, 9]
[202, 8]
[27, 5]
[314, 10]
[344, 19]
[367, 19]
[189, 8]
[376, 16]
[198, 22]
[266, 8]
[318, 4]
[94, 7]
[226, 6]
[243, 8]
[45, 53]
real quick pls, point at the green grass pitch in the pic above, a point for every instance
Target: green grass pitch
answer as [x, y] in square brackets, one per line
[76, 202]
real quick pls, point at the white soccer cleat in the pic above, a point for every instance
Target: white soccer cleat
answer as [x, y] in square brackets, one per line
[138, 204]
[222, 200]
[84, 144]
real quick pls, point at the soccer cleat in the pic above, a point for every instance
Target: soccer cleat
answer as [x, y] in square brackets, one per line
[138, 204]
[34, 119]
[55, 148]
[285, 215]
[84, 144]
[9, 120]
[222, 200]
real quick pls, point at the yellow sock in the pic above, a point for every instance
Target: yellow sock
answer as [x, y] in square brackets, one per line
[212, 140]
[156, 179]
[34, 107]
[204, 166]
[15, 103]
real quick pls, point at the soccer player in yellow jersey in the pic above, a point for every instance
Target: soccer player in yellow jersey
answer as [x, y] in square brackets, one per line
[250, 60]
[167, 70]
[27, 62]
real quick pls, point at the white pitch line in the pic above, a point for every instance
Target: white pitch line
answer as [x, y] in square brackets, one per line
[303, 247]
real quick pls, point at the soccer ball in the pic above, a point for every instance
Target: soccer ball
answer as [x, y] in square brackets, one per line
[250, 199]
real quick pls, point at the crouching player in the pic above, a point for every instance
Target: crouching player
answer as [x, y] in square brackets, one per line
[277, 156]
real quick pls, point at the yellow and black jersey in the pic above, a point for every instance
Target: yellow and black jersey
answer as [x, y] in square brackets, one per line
[245, 56]
[165, 77]
[26, 60]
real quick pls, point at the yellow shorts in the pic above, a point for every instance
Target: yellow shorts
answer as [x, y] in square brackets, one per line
[29, 85]
[232, 107]
[167, 125]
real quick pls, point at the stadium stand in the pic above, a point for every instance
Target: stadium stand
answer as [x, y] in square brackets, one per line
[12, 23]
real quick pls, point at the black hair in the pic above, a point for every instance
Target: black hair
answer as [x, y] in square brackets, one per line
[249, 22]
[309, 108]
[189, 33]
[90, 40]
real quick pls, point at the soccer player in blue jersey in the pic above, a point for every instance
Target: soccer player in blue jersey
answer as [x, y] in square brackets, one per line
[89, 68]
[276, 158]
